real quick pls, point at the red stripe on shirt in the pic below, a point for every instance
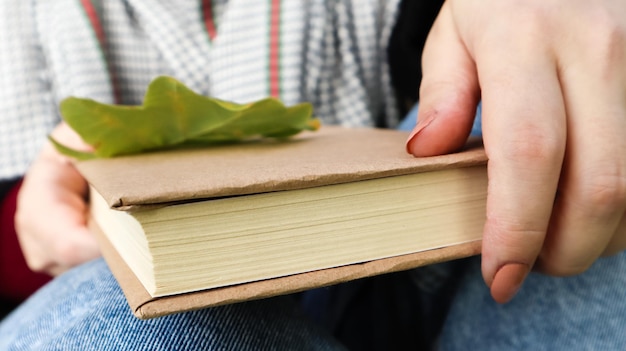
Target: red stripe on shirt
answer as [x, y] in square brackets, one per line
[209, 22]
[274, 54]
[98, 29]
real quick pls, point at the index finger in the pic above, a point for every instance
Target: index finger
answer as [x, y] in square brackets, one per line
[524, 134]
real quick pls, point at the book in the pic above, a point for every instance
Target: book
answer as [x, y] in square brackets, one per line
[196, 227]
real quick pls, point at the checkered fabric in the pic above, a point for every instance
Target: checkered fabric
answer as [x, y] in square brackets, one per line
[332, 54]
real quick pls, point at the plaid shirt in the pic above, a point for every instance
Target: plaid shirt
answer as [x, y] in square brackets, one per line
[331, 53]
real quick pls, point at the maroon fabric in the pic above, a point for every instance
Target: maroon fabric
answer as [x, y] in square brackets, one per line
[17, 281]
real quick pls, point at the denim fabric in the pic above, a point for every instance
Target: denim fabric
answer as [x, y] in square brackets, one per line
[85, 310]
[583, 312]
[411, 119]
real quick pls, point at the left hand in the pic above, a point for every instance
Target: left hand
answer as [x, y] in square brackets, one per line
[552, 79]
[52, 210]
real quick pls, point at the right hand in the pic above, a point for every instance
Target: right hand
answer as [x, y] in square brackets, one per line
[52, 208]
[551, 76]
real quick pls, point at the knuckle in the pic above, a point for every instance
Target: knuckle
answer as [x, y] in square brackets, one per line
[535, 145]
[611, 48]
[32, 263]
[608, 28]
[35, 262]
[604, 193]
[512, 236]
[521, 25]
[607, 42]
[529, 16]
[507, 227]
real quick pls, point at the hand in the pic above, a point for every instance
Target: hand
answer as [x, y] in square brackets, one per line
[552, 79]
[51, 214]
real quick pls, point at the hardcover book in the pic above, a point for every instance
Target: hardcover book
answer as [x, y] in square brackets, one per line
[196, 227]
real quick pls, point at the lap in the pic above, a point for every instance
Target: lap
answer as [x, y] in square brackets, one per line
[583, 312]
[84, 309]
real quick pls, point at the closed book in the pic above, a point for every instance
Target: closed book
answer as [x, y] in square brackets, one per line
[196, 227]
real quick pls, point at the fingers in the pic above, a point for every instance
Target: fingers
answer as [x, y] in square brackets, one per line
[51, 217]
[524, 132]
[523, 129]
[75, 243]
[554, 118]
[592, 193]
[449, 92]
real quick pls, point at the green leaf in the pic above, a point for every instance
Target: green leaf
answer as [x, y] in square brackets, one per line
[79, 155]
[173, 115]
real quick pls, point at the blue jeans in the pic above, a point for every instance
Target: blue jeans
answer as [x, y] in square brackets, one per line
[411, 120]
[584, 312]
[84, 309]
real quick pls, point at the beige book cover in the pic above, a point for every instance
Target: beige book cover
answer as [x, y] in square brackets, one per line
[333, 155]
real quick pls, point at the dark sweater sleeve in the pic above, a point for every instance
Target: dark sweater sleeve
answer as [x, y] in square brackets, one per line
[405, 48]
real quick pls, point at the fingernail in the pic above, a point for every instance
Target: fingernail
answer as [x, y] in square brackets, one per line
[421, 124]
[507, 281]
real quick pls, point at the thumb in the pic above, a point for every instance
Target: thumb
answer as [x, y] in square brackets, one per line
[449, 92]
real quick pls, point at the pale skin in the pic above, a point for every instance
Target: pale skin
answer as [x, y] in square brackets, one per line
[552, 79]
[51, 212]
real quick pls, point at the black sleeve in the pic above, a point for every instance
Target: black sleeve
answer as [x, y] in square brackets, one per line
[6, 186]
[405, 48]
